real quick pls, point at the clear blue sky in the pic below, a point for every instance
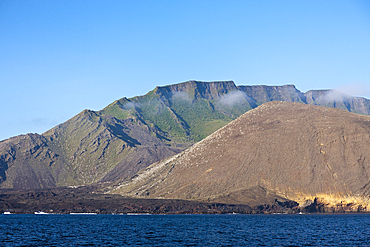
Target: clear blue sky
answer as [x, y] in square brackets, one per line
[58, 58]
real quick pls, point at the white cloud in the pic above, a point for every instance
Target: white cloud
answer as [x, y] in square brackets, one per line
[355, 89]
[130, 105]
[180, 95]
[233, 98]
[334, 95]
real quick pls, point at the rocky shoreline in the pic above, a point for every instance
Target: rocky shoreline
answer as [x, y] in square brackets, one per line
[87, 200]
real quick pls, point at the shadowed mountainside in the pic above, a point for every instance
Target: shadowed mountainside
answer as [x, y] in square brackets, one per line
[308, 154]
[130, 134]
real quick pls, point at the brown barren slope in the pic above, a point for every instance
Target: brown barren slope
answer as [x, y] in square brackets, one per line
[296, 151]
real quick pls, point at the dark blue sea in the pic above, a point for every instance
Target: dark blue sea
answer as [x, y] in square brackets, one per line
[185, 230]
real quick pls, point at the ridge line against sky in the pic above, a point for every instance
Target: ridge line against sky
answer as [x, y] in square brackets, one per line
[61, 57]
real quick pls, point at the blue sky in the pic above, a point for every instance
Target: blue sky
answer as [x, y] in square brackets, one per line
[61, 57]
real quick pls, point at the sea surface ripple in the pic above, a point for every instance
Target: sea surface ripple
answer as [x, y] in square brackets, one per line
[185, 230]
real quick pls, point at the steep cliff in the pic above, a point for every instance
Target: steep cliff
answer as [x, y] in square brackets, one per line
[130, 134]
[308, 154]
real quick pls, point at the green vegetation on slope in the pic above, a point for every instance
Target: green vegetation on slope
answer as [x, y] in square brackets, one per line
[184, 117]
[131, 134]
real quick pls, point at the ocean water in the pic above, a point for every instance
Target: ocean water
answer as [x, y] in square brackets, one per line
[185, 230]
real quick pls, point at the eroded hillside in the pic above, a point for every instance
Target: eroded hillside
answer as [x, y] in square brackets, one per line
[130, 134]
[295, 151]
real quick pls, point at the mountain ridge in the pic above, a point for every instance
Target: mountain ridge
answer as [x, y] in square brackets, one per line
[132, 133]
[299, 152]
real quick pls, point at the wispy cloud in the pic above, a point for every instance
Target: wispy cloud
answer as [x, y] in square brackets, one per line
[334, 95]
[346, 91]
[232, 98]
[181, 95]
[355, 89]
[130, 105]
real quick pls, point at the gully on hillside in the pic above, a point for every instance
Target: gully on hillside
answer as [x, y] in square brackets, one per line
[130, 134]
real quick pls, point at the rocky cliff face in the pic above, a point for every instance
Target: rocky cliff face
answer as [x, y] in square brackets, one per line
[130, 134]
[308, 154]
[262, 94]
[335, 99]
[27, 161]
[84, 150]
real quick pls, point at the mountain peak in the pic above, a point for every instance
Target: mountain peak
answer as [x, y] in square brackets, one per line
[198, 89]
[126, 135]
[297, 151]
